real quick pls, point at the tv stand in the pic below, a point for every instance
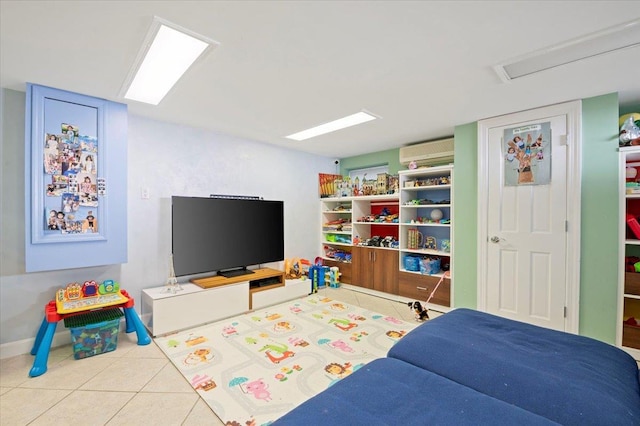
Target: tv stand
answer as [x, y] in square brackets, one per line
[260, 280]
[220, 280]
[209, 299]
[230, 273]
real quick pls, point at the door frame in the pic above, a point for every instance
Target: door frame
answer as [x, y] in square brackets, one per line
[573, 111]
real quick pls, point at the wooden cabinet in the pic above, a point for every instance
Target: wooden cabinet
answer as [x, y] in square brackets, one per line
[628, 323]
[375, 269]
[420, 287]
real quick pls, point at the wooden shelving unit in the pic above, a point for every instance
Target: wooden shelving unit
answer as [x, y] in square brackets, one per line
[423, 191]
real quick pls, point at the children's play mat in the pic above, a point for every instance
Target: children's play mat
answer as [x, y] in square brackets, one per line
[256, 367]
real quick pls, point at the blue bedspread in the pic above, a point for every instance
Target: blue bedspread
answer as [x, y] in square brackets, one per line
[392, 392]
[564, 377]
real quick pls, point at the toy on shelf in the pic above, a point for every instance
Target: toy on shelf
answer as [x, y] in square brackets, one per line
[430, 243]
[337, 254]
[630, 130]
[327, 184]
[336, 225]
[632, 264]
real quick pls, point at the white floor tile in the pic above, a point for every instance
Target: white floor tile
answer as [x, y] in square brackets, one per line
[21, 406]
[70, 373]
[126, 374]
[168, 379]
[201, 414]
[156, 409]
[131, 385]
[85, 408]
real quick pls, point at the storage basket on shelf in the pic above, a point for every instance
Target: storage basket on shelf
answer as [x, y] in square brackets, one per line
[94, 332]
[430, 266]
[412, 263]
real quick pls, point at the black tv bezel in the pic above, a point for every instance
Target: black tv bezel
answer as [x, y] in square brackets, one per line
[227, 270]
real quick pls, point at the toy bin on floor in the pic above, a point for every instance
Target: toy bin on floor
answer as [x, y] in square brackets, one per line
[94, 332]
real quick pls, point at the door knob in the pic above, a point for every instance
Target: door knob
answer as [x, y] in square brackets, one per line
[495, 239]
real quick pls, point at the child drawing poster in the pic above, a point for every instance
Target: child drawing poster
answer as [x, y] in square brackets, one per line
[527, 155]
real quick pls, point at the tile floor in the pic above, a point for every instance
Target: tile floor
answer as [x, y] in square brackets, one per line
[130, 386]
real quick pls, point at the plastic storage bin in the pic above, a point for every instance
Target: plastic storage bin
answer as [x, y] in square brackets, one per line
[429, 266]
[94, 332]
[412, 263]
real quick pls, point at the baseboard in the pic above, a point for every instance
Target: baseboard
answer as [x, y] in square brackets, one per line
[21, 347]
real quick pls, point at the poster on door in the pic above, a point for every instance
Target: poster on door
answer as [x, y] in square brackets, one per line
[527, 155]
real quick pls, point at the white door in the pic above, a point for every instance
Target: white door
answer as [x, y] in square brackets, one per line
[525, 239]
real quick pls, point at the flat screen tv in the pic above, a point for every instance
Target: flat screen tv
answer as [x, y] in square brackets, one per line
[225, 235]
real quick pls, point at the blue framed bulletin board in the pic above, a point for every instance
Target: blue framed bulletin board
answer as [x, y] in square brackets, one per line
[75, 180]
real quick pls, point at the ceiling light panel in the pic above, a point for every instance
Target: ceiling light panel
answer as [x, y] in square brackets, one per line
[621, 36]
[168, 52]
[332, 126]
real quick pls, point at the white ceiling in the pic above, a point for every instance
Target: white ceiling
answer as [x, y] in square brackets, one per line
[284, 66]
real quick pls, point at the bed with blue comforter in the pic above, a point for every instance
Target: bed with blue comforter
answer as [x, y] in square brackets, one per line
[470, 367]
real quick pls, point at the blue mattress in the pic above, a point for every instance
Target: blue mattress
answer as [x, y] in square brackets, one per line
[391, 392]
[564, 377]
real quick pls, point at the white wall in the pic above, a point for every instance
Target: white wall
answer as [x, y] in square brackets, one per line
[167, 159]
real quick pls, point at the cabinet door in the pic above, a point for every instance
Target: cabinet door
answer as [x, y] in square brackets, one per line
[385, 270]
[103, 138]
[361, 267]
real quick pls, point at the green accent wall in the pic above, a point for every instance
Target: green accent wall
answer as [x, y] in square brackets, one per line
[599, 217]
[599, 214]
[389, 157]
[629, 109]
[465, 216]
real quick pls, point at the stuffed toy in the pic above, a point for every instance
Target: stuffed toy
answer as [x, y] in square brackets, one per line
[421, 312]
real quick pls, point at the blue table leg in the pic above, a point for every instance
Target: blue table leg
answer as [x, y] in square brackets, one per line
[36, 344]
[133, 323]
[43, 347]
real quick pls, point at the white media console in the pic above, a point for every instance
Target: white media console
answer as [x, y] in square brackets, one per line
[164, 312]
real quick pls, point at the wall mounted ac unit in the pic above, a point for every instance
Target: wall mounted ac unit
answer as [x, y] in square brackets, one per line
[428, 153]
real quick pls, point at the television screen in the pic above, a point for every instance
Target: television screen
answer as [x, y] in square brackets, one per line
[225, 234]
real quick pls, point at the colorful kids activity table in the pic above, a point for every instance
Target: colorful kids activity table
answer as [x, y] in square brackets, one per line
[76, 299]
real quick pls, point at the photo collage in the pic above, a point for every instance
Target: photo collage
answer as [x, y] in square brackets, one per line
[71, 181]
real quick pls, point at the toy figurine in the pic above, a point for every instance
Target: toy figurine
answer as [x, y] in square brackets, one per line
[421, 312]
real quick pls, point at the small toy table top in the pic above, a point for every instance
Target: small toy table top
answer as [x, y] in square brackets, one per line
[90, 295]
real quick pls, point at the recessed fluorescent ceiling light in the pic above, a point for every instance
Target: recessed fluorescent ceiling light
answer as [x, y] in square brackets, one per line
[621, 36]
[166, 58]
[332, 126]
